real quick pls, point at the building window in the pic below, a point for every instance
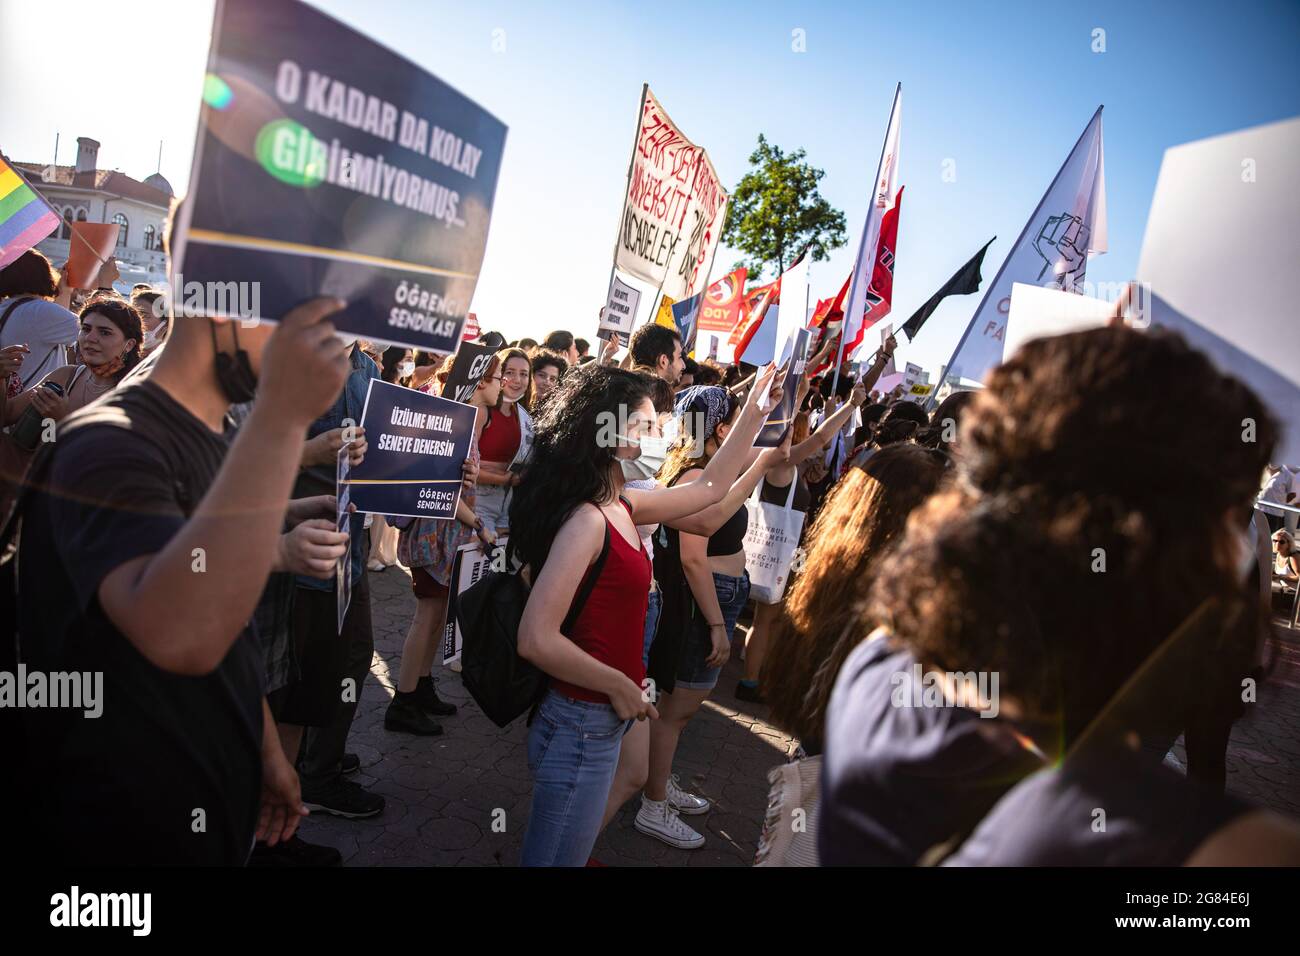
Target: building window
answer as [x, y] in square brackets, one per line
[65, 231]
[81, 215]
[121, 233]
[149, 236]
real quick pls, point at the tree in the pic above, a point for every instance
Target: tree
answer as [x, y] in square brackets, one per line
[776, 209]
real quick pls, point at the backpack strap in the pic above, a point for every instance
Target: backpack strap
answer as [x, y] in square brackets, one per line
[18, 300]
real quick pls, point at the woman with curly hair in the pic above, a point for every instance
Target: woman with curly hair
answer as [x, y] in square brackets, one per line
[1023, 598]
[571, 513]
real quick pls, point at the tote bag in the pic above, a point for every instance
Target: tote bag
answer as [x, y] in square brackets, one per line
[770, 543]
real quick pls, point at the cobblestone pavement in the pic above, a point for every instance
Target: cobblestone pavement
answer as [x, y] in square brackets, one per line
[442, 792]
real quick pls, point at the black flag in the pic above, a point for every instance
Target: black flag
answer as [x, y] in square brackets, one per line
[966, 281]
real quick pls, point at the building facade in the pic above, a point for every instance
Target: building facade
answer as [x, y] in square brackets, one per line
[83, 192]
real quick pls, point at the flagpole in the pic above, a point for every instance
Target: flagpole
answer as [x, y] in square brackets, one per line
[947, 369]
[627, 186]
[853, 284]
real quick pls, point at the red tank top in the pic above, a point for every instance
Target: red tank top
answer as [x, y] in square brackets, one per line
[500, 438]
[611, 625]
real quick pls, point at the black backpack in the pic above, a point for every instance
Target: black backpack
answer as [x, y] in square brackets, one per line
[501, 682]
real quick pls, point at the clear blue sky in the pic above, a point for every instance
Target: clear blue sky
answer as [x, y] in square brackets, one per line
[1004, 89]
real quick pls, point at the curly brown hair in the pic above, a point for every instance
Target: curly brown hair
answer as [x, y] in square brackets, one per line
[822, 623]
[1094, 513]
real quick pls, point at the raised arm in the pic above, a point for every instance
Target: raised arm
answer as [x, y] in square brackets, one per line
[828, 428]
[666, 505]
[185, 622]
[706, 522]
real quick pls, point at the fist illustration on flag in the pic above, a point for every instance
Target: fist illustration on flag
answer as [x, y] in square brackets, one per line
[1063, 239]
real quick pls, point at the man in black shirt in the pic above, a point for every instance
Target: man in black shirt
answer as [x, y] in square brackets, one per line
[144, 549]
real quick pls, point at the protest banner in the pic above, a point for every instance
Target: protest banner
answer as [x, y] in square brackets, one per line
[470, 564]
[342, 524]
[472, 360]
[673, 209]
[416, 449]
[620, 312]
[795, 353]
[472, 329]
[326, 164]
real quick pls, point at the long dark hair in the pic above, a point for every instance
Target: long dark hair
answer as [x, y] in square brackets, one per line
[572, 456]
[822, 621]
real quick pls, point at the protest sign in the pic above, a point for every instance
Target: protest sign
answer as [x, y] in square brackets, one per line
[326, 164]
[1036, 312]
[416, 449]
[620, 312]
[472, 360]
[471, 563]
[673, 209]
[342, 524]
[1218, 258]
[794, 352]
[91, 245]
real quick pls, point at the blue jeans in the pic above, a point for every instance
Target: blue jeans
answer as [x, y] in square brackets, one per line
[692, 671]
[652, 612]
[573, 750]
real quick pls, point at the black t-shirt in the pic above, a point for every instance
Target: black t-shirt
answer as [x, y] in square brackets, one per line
[128, 786]
[1113, 809]
[899, 778]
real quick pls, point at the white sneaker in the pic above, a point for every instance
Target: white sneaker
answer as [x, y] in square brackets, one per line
[662, 822]
[683, 802]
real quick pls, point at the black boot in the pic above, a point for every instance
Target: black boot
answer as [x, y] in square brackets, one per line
[406, 715]
[426, 689]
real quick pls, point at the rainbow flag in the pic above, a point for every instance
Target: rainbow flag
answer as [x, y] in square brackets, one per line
[25, 218]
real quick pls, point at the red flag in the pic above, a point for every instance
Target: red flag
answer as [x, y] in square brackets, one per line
[880, 292]
[752, 313]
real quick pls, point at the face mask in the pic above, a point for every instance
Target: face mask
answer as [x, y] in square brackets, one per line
[654, 451]
[406, 369]
[234, 373]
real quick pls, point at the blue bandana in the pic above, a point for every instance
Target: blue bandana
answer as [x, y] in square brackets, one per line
[712, 401]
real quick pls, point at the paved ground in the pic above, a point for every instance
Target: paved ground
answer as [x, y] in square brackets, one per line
[443, 792]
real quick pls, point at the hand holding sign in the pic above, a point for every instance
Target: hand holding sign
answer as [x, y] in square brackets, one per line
[304, 364]
[312, 548]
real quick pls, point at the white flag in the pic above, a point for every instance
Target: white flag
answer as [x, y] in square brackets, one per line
[883, 196]
[1052, 251]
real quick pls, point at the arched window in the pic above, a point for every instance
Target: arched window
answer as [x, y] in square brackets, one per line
[81, 215]
[65, 231]
[149, 236]
[121, 233]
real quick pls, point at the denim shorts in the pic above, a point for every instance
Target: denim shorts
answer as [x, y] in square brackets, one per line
[573, 748]
[692, 671]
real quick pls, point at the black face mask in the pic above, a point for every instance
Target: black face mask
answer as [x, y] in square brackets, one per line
[234, 374]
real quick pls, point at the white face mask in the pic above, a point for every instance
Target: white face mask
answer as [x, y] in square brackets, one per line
[406, 369]
[654, 451]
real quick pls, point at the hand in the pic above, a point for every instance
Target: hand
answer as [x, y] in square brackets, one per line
[608, 350]
[324, 448]
[315, 506]
[11, 359]
[487, 538]
[858, 396]
[514, 479]
[629, 700]
[304, 364]
[108, 274]
[469, 473]
[721, 641]
[887, 349]
[282, 806]
[766, 377]
[312, 548]
[49, 404]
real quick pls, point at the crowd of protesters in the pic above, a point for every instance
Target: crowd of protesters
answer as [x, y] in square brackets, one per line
[965, 684]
